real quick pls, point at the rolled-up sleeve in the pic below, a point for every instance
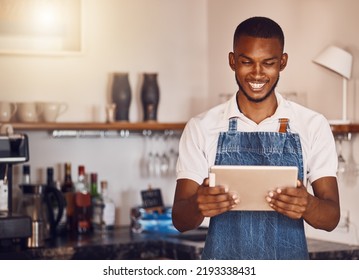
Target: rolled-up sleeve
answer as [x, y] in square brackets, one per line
[323, 159]
[192, 163]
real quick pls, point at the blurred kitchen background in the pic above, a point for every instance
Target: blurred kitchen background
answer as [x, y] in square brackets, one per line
[187, 43]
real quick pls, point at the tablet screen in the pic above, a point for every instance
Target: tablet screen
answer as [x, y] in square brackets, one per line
[252, 183]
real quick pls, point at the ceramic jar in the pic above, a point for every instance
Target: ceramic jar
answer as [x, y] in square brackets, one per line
[121, 95]
[150, 96]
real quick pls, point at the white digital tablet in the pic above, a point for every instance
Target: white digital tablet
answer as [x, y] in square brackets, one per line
[252, 183]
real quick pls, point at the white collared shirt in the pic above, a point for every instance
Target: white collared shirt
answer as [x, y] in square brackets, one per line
[198, 144]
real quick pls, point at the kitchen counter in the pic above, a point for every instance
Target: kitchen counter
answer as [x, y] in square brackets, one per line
[123, 244]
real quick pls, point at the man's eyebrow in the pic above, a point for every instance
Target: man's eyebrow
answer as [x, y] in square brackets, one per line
[266, 59]
[244, 56]
[272, 58]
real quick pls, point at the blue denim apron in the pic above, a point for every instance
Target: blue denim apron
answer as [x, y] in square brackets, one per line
[257, 235]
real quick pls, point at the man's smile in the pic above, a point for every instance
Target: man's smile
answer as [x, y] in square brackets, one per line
[255, 86]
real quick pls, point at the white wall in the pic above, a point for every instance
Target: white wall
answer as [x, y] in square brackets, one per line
[135, 36]
[131, 36]
[187, 43]
[309, 26]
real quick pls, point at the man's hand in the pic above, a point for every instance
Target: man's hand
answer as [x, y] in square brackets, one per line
[213, 201]
[194, 202]
[292, 202]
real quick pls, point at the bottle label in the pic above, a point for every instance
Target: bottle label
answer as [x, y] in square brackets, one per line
[82, 199]
[109, 214]
[70, 203]
[97, 214]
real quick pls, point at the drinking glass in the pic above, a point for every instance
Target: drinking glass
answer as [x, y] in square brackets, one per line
[341, 160]
[351, 168]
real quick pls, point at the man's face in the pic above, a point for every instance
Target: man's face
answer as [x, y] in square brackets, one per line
[257, 63]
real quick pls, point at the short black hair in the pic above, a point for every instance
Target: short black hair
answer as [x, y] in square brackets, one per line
[259, 27]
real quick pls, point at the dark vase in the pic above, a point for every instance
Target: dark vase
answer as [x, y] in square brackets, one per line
[121, 96]
[150, 96]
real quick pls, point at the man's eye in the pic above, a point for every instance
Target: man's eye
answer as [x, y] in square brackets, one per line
[269, 63]
[246, 62]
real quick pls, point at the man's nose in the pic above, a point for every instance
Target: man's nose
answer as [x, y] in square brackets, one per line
[257, 70]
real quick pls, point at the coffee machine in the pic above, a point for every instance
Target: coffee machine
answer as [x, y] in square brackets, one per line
[14, 228]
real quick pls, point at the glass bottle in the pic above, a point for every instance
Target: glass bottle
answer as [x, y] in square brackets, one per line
[51, 183]
[26, 178]
[67, 188]
[97, 212]
[4, 191]
[82, 203]
[50, 177]
[104, 210]
[80, 185]
[94, 185]
[110, 209]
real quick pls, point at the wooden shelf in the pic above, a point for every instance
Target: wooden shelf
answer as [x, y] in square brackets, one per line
[98, 126]
[345, 128]
[138, 126]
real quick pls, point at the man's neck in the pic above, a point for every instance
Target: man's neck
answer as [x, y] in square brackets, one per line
[257, 112]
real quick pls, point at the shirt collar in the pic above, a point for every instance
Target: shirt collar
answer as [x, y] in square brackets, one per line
[231, 109]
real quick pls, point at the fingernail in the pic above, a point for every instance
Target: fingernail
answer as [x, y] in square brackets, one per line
[279, 190]
[236, 201]
[271, 194]
[268, 199]
[234, 196]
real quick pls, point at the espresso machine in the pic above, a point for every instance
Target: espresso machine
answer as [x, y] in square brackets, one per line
[14, 229]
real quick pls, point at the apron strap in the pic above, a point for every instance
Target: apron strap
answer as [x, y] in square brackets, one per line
[283, 125]
[232, 124]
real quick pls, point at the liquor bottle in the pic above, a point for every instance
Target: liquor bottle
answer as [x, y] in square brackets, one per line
[97, 204]
[4, 199]
[80, 185]
[50, 177]
[104, 210]
[67, 188]
[26, 178]
[50, 183]
[94, 185]
[4, 191]
[82, 203]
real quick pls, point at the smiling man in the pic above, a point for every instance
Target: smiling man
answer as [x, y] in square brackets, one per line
[257, 126]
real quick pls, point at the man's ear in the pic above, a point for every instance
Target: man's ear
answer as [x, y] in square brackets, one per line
[231, 60]
[283, 61]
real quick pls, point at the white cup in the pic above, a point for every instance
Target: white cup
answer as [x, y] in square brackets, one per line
[50, 111]
[27, 112]
[7, 111]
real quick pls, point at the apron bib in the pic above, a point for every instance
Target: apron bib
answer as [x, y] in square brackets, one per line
[257, 235]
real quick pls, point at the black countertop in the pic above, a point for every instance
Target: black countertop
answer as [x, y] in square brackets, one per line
[123, 244]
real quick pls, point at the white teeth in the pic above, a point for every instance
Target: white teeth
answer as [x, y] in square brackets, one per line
[257, 85]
